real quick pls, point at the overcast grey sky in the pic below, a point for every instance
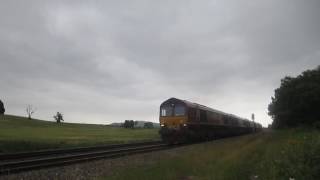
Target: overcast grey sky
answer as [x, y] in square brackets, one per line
[107, 61]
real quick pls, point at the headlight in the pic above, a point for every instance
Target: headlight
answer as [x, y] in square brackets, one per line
[162, 125]
[184, 125]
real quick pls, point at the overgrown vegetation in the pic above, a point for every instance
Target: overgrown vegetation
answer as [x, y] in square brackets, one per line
[281, 154]
[297, 101]
[22, 134]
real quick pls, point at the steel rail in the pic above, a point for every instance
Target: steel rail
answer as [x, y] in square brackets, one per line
[17, 165]
[32, 154]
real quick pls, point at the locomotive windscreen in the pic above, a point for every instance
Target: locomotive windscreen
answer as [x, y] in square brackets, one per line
[179, 110]
[166, 110]
[173, 110]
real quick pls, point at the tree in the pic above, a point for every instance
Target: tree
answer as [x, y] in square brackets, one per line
[297, 100]
[128, 124]
[30, 110]
[58, 117]
[148, 125]
[2, 109]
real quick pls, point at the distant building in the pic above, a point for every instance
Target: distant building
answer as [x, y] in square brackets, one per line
[116, 124]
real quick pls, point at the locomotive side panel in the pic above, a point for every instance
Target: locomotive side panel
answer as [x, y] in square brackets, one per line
[214, 118]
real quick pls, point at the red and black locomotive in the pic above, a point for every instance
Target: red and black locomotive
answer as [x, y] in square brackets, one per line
[182, 121]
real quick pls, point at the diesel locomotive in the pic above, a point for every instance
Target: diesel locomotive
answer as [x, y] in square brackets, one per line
[183, 121]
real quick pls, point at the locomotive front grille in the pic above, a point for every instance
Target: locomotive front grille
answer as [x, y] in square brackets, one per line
[173, 122]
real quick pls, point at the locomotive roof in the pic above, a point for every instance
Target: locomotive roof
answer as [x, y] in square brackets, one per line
[192, 104]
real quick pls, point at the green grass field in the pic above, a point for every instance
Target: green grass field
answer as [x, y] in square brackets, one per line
[274, 155]
[22, 134]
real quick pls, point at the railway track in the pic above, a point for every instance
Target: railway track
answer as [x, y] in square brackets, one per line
[18, 162]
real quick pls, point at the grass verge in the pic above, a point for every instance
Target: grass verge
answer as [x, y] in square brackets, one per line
[282, 154]
[21, 134]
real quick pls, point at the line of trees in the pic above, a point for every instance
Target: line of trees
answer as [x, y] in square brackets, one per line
[128, 124]
[297, 100]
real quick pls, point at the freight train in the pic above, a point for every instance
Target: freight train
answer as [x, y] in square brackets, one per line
[185, 121]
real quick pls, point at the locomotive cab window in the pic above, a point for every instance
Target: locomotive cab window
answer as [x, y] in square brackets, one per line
[179, 110]
[166, 111]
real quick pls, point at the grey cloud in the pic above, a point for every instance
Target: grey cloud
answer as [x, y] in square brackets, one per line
[101, 61]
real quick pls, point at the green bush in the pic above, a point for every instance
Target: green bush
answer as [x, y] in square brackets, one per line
[297, 100]
[2, 109]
